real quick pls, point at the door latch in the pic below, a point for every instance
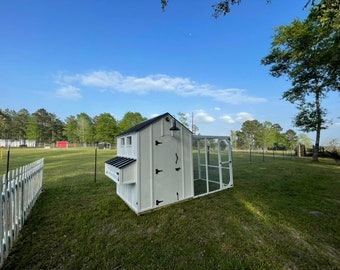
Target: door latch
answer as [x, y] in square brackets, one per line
[158, 171]
[158, 202]
[157, 142]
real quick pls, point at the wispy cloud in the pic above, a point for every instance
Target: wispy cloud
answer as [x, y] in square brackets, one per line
[115, 81]
[228, 119]
[68, 92]
[237, 118]
[244, 116]
[202, 117]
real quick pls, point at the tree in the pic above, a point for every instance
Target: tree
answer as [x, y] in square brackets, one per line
[129, 120]
[266, 135]
[106, 128]
[250, 132]
[32, 130]
[183, 118]
[20, 122]
[5, 124]
[278, 138]
[57, 129]
[302, 52]
[305, 140]
[70, 129]
[223, 7]
[223, 145]
[85, 129]
[291, 138]
[44, 127]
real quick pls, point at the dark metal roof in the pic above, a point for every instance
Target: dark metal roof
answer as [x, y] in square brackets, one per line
[144, 124]
[120, 162]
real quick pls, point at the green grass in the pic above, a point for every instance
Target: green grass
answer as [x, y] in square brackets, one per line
[283, 214]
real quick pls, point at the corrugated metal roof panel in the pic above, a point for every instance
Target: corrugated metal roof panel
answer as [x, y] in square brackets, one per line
[120, 162]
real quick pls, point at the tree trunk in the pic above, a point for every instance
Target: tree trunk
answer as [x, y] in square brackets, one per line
[318, 127]
[316, 147]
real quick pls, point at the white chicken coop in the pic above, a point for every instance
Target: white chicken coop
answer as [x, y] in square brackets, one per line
[154, 164]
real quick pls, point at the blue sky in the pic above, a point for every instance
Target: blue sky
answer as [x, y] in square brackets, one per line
[118, 56]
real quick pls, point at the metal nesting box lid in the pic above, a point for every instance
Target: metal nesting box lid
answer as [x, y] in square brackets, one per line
[120, 162]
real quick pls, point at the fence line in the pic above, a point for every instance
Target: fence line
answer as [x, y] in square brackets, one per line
[19, 190]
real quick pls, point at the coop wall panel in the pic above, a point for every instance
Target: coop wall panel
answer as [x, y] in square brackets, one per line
[146, 167]
[188, 161]
[128, 194]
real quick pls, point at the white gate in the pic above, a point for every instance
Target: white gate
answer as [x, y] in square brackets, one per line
[213, 169]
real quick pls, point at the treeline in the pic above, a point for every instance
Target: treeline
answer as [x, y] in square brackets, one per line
[46, 127]
[267, 136]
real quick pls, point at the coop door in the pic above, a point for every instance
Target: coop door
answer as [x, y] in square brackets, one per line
[167, 170]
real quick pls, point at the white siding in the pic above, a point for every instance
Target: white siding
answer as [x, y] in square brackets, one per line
[127, 149]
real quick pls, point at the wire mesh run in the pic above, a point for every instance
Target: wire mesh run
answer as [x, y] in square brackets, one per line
[212, 163]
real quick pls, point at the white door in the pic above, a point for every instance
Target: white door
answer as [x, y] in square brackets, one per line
[167, 171]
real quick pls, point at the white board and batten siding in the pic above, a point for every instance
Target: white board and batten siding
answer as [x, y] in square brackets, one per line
[162, 164]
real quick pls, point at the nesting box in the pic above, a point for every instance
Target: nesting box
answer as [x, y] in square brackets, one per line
[153, 166]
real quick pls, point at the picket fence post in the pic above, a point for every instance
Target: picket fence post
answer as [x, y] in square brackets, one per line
[19, 191]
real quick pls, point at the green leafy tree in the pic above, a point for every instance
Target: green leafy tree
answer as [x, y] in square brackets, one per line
[291, 139]
[20, 123]
[305, 140]
[277, 136]
[303, 51]
[183, 118]
[239, 140]
[266, 135]
[106, 128]
[70, 129]
[57, 130]
[223, 145]
[32, 131]
[44, 127]
[5, 124]
[85, 128]
[251, 130]
[129, 120]
[223, 7]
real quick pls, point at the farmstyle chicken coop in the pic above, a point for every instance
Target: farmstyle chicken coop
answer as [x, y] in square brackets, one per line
[155, 166]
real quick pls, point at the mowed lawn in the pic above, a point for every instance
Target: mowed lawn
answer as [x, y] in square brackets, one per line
[283, 214]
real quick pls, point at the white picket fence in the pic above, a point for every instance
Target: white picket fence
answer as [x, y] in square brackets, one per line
[19, 191]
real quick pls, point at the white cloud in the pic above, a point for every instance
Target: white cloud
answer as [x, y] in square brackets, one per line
[115, 81]
[243, 116]
[202, 117]
[237, 118]
[68, 92]
[228, 119]
[217, 108]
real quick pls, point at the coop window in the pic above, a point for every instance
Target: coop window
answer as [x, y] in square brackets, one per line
[122, 141]
[129, 140]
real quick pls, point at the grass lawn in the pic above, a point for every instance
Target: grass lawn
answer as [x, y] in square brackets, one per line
[283, 214]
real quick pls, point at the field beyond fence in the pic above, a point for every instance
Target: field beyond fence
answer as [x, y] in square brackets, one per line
[283, 213]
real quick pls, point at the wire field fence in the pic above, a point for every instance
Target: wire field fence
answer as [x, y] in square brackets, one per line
[260, 155]
[19, 190]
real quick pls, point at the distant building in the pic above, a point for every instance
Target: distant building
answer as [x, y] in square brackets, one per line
[17, 143]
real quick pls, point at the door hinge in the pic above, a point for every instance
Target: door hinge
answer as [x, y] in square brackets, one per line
[158, 202]
[157, 142]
